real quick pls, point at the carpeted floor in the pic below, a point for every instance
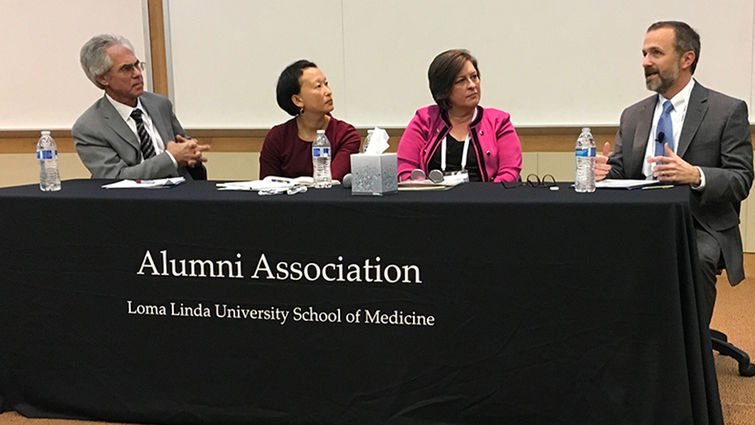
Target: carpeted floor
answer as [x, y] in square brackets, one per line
[734, 315]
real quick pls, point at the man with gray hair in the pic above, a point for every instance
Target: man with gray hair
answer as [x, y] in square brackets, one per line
[688, 134]
[130, 133]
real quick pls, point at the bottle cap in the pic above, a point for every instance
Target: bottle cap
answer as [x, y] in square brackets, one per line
[45, 132]
[320, 131]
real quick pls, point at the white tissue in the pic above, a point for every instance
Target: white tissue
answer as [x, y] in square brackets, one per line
[378, 142]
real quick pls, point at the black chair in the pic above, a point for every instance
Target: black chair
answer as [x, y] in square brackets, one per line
[721, 344]
[198, 172]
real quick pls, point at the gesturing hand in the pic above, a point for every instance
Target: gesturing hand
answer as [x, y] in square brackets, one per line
[671, 168]
[601, 163]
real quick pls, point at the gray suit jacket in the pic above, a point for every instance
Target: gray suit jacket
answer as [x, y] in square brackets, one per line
[110, 150]
[715, 137]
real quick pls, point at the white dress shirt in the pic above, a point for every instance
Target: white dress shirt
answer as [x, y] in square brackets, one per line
[125, 112]
[677, 113]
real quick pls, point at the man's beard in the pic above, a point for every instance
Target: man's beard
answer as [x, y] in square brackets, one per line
[664, 80]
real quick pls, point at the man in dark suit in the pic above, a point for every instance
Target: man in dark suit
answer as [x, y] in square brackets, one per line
[130, 133]
[688, 134]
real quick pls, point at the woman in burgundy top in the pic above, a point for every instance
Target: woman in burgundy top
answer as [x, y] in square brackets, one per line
[303, 92]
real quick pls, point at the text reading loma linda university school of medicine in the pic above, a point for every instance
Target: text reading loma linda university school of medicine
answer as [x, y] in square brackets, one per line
[369, 271]
[367, 316]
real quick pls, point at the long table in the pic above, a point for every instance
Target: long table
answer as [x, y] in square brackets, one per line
[477, 305]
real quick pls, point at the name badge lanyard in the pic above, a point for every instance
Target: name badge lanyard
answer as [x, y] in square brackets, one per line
[463, 153]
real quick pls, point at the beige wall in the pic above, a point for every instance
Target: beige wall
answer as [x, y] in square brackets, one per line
[233, 165]
[21, 168]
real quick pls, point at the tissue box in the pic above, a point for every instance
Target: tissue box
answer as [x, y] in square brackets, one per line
[374, 174]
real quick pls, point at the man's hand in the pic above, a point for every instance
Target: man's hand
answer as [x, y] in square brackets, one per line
[187, 152]
[601, 163]
[671, 168]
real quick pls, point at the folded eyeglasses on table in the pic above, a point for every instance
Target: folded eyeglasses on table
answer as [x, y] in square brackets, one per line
[533, 180]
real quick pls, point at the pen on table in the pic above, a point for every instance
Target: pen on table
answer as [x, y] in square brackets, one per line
[663, 186]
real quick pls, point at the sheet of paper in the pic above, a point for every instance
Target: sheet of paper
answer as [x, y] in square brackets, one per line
[430, 186]
[624, 183]
[145, 184]
[447, 183]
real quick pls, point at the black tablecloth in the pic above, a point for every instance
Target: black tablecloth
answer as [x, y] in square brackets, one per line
[476, 305]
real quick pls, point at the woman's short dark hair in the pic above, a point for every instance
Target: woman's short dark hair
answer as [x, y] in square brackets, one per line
[289, 85]
[443, 71]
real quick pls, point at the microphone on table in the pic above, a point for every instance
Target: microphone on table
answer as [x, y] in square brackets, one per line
[346, 182]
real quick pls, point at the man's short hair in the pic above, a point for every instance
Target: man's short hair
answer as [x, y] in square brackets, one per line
[443, 71]
[686, 38]
[289, 85]
[94, 58]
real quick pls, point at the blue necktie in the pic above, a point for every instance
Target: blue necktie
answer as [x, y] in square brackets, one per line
[664, 132]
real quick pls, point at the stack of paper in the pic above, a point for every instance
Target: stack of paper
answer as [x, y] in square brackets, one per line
[268, 183]
[449, 181]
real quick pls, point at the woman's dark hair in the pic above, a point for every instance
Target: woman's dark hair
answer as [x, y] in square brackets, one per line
[443, 71]
[289, 85]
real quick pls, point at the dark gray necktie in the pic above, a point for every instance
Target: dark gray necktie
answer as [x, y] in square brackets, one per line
[145, 142]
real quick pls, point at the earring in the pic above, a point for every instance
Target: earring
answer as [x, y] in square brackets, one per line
[301, 110]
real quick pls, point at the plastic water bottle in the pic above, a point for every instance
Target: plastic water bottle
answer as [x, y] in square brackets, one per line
[584, 180]
[47, 155]
[321, 160]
